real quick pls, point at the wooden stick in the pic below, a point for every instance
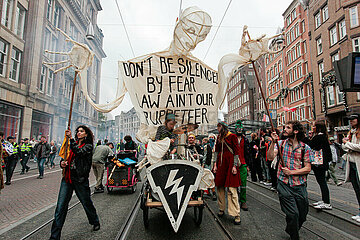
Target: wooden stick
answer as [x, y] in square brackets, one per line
[268, 112]
[70, 114]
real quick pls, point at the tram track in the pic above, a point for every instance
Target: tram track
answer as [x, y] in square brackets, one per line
[38, 229]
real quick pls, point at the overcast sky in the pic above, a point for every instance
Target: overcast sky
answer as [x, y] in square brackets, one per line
[150, 27]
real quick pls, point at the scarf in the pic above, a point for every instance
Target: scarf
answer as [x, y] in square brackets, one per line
[71, 157]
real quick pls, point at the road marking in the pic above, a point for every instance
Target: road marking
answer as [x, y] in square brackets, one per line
[31, 176]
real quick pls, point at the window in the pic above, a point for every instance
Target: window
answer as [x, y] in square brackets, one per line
[288, 39]
[342, 29]
[305, 68]
[339, 95]
[42, 79]
[302, 26]
[333, 36]
[298, 50]
[330, 96]
[356, 44]
[50, 81]
[288, 20]
[317, 20]
[49, 9]
[290, 76]
[297, 32]
[20, 21]
[292, 36]
[293, 15]
[325, 12]
[56, 16]
[321, 69]
[335, 57]
[7, 10]
[280, 66]
[354, 21]
[319, 46]
[3, 57]
[15, 64]
[300, 70]
[305, 47]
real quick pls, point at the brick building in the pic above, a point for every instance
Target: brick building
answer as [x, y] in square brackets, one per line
[244, 99]
[33, 100]
[335, 32]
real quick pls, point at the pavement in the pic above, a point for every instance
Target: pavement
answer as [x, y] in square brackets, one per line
[29, 202]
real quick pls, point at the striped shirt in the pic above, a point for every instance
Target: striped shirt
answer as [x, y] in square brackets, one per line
[293, 161]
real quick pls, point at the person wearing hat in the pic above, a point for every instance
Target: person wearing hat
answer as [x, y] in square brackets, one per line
[244, 162]
[11, 160]
[166, 130]
[226, 169]
[332, 164]
[25, 152]
[351, 145]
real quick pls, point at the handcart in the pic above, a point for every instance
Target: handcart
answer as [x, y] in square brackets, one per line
[121, 172]
[172, 185]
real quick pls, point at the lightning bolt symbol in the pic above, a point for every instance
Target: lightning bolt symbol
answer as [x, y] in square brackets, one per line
[176, 189]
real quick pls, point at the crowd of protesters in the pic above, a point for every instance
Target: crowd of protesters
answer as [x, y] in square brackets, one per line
[281, 160]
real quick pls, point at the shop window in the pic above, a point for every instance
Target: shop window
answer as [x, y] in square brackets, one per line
[40, 125]
[10, 117]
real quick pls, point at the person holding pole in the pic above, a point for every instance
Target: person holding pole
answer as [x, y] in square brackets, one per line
[292, 175]
[76, 178]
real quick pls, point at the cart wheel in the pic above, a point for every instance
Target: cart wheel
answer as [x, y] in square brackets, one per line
[109, 189]
[146, 216]
[198, 213]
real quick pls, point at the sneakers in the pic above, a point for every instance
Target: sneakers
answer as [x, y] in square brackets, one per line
[317, 203]
[27, 169]
[7, 183]
[237, 220]
[267, 184]
[273, 189]
[325, 206]
[98, 190]
[22, 173]
[40, 177]
[356, 217]
[339, 183]
[262, 182]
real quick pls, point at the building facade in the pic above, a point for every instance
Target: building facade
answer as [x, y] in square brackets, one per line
[35, 101]
[335, 32]
[298, 85]
[127, 123]
[244, 99]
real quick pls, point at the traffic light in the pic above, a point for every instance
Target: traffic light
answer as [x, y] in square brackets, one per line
[347, 72]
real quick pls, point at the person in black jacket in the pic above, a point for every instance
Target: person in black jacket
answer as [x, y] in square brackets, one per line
[42, 150]
[320, 142]
[76, 178]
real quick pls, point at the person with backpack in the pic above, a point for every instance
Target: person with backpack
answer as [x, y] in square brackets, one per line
[322, 157]
[292, 176]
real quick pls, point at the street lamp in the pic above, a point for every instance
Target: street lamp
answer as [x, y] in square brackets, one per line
[90, 32]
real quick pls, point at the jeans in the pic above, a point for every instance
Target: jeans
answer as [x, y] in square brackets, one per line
[10, 167]
[51, 160]
[331, 173]
[24, 162]
[321, 180]
[41, 162]
[355, 180]
[295, 204]
[265, 168]
[82, 191]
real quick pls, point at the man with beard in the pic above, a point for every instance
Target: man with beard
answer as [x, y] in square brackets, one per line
[194, 148]
[292, 177]
[244, 156]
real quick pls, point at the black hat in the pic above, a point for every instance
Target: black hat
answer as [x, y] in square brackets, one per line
[25, 139]
[10, 137]
[354, 116]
